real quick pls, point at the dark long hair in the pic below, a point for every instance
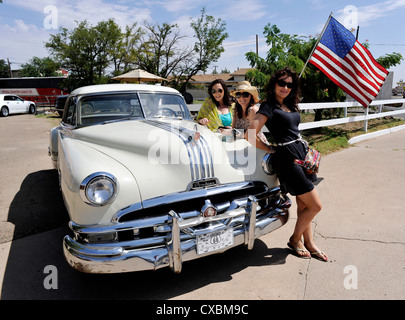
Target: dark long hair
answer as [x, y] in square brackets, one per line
[239, 109]
[226, 98]
[293, 98]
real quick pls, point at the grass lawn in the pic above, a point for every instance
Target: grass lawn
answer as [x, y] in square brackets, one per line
[334, 138]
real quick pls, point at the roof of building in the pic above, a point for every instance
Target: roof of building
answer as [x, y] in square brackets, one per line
[241, 71]
[227, 77]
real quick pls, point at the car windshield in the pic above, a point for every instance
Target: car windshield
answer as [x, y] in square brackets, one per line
[106, 108]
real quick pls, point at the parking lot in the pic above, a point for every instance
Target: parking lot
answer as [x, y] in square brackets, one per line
[360, 227]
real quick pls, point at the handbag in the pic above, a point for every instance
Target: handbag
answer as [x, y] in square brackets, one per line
[311, 162]
[312, 158]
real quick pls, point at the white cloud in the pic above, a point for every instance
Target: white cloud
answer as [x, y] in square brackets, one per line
[234, 55]
[366, 15]
[181, 6]
[18, 43]
[94, 11]
[242, 10]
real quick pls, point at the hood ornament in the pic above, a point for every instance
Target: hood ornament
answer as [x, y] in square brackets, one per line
[208, 210]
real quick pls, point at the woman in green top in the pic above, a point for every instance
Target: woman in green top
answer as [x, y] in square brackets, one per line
[217, 110]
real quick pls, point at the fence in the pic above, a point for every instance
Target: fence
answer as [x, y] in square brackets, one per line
[44, 103]
[379, 113]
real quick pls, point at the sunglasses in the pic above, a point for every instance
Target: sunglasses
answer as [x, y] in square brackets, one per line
[282, 83]
[213, 91]
[242, 94]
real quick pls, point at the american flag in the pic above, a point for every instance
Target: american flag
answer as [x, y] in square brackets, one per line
[348, 63]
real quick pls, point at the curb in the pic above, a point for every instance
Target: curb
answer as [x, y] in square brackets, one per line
[375, 134]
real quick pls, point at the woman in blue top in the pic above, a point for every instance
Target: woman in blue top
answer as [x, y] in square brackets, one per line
[280, 114]
[217, 109]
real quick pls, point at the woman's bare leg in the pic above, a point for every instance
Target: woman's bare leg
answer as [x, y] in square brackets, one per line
[308, 205]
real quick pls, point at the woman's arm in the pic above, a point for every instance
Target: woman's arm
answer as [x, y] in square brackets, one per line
[251, 134]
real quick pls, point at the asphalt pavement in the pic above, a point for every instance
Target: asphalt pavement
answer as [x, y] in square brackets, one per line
[361, 227]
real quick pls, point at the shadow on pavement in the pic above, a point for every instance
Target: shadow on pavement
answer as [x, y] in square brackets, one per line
[38, 205]
[40, 220]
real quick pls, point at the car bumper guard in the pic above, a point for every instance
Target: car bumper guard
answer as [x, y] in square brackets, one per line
[179, 245]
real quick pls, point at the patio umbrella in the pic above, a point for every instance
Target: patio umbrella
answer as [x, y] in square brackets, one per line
[138, 75]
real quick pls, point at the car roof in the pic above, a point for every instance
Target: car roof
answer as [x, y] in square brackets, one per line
[101, 88]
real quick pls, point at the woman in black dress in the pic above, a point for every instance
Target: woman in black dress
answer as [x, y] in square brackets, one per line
[280, 114]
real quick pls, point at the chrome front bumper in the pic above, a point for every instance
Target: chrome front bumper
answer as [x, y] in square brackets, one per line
[247, 219]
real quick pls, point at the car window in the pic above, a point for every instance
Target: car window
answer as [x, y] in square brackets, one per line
[164, 105]
[60, 101]
[95, 109]
[70, 117]
[8, 98]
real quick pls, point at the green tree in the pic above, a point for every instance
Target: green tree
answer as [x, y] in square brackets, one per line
[164, 54]
[85, 51]
[390, 60]
[4, 69]
[210, 34]
[39, 67]
[124, 51]
[285, 50]
[161, 52]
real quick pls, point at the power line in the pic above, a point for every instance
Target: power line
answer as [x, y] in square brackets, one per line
[239, 43]
[387, 44]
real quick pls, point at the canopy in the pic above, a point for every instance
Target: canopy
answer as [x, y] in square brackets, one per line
[138, 75]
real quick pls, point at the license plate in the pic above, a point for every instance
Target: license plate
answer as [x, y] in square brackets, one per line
[214, 241]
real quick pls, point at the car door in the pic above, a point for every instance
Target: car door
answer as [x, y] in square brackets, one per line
[21, 105]
[11, 104]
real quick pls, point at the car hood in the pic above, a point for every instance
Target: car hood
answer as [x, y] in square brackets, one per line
[167, 156]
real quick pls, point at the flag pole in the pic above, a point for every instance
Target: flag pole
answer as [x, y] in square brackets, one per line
[317, 42]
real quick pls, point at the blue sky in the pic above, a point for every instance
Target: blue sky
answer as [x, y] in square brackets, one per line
[26, 25]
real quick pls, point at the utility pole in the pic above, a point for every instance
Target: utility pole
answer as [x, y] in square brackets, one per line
[9, 68]
[257, 45]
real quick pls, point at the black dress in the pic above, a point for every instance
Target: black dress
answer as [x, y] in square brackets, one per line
[283, 126]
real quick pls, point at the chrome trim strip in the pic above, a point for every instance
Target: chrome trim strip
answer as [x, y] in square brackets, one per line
[174, 245]
[201, 163]
[187, 195]
[250, 237]
[238, 209]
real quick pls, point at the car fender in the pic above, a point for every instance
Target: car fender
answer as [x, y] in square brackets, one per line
[53, 145]
[77, 161]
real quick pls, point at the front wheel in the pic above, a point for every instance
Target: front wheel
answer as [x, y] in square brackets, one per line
[32, 109]
[4, 111]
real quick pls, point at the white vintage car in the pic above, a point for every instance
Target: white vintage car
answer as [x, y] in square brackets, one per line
[147, 187]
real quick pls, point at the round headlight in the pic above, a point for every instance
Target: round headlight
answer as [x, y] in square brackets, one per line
[98, 189]
[267, 165]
